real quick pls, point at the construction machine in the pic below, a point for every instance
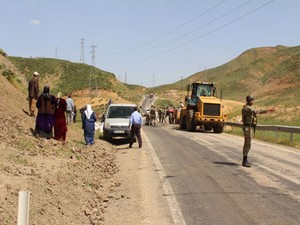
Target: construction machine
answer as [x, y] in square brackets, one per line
[202, 109]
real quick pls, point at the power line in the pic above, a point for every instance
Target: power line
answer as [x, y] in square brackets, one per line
[192, 31]
[209, 32]
[177, 28]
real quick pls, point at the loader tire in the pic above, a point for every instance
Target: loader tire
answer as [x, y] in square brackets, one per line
[190, 120]
[218, 128]
[182, 122]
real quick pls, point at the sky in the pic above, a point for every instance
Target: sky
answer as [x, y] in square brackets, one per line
[147, 42]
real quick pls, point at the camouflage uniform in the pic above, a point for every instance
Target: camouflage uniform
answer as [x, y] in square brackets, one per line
[152, 116]
[249, 124]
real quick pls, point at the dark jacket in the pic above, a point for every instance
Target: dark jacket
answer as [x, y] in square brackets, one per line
[33, 88]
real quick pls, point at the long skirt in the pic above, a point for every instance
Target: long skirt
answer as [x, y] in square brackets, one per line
[89, 137]
[44, 125]
[89, 134]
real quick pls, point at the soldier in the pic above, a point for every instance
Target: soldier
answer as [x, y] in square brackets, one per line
[152, 115]
[249, 124]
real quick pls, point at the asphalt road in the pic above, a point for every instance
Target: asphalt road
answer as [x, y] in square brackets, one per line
[211, 187]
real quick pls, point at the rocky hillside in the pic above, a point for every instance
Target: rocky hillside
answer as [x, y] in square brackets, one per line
[67, 183]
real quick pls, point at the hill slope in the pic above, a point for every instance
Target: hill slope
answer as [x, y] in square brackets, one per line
[67, 183]
[69, 77]
[271, 74]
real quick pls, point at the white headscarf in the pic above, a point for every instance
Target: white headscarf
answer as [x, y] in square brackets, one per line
[88, 112]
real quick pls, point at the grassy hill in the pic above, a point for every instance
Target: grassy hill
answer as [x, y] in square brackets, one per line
[271, 74]
[68, 77]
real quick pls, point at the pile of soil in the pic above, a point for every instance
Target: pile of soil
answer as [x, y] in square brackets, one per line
[69, 184]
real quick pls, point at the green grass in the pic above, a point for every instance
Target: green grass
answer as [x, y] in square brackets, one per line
[68, 77]
[270, 136]
[164, 103]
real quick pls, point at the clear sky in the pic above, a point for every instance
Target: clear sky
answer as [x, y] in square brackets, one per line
[154, 42]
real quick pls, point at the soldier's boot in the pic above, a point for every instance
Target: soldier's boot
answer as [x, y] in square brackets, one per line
[245, 162]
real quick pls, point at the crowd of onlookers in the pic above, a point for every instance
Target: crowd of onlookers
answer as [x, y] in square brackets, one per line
[154, 115]
[55, 113]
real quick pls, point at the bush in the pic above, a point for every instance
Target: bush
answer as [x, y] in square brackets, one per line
[10, 75]
[2, 52]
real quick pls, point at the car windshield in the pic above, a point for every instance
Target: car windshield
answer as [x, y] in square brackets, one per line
[120, 112]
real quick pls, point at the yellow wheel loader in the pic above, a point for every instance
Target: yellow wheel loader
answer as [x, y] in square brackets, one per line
[202, 109]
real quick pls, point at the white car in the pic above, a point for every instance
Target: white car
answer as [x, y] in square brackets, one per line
[116, 121]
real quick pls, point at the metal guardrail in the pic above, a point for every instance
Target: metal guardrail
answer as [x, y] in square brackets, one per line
[275, 128]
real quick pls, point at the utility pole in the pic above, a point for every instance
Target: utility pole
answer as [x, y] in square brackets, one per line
[82, 50]
[56, 52]
[153, 80]
[93, 51]
[181, 83]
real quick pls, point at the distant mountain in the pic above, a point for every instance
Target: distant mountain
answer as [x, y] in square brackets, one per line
[271, 74]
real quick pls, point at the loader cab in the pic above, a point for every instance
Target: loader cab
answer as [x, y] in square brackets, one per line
[199, 89]
[203, 89]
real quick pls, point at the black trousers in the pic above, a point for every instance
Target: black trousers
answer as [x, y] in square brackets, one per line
[136, 130]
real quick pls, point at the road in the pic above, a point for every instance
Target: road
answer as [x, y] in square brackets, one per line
[209, 185]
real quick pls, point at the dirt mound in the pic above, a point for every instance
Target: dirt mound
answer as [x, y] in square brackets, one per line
[69, 184]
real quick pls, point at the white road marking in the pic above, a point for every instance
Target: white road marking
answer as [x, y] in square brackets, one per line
[171, 199]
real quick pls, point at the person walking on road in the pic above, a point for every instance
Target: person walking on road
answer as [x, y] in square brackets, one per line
[33, 92]
[70, 109]
[249, 118]
[88, 125]
[135, 124]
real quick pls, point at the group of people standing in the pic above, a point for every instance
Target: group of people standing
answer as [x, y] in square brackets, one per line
[56, 112]
[51, 113]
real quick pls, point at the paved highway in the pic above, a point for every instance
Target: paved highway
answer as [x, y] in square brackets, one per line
[211, 187]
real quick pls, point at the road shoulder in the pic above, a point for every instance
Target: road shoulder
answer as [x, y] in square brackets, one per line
[140, 197]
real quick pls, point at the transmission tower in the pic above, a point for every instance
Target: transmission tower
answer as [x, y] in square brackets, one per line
[93, 55]
[82, 50]
[93, 51]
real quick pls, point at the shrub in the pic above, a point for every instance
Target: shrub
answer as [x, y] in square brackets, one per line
[2, 52]
[10, 75]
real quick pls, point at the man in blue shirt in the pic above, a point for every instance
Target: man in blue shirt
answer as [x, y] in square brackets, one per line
[135, 124]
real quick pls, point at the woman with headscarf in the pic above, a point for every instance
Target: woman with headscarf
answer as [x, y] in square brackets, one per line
[46, 104]
[60, 125]
[88, 125]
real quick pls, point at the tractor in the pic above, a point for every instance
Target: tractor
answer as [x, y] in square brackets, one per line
[202, 109]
